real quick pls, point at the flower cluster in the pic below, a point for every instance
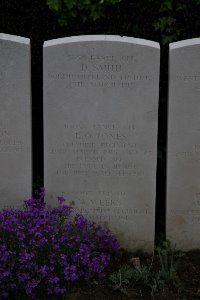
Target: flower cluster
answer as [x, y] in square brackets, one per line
[43, 250]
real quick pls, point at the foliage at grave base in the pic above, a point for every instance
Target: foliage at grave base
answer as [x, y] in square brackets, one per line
[167, 254]
[83, 9]
[44, 250]
[146, 276]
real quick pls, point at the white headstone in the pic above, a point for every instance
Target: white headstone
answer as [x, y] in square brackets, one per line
[183, 175]
[100, 131]
[15, 121]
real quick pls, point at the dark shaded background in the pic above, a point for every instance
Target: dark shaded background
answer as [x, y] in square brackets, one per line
[34, 20]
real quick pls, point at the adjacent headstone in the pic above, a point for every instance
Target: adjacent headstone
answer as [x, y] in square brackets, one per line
[183, 170]
[100, 131]
[15, 121]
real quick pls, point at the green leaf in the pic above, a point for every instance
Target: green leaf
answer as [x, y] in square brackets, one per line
[136, 28]
[166, 6]
[156, 25]
[70, 3]
[170, 20]
[54, 4]
[181, 6]
[85, 9]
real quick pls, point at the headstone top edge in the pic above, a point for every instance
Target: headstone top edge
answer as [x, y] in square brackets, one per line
[14, 38]
[184, 43]
[96, 38]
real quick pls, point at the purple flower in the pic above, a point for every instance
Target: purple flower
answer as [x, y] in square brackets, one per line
[44, 270]
[23, 277]
[44, 250]
[53, 279]
[70, 273]
[32, 284]
[5, 274]
[61, 199]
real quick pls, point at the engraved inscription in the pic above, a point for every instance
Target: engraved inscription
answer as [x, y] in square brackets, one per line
[187, 78]
[9, 144]
[189, 215]
[192, 155]
[100, 150]
[100, 71]
[106, 205]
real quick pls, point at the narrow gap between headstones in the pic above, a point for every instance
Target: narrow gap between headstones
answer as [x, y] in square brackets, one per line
[160, 218]
[37, 114]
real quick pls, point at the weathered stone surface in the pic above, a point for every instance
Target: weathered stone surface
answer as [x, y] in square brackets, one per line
[100, 131]
[183, 174]
[15, 120]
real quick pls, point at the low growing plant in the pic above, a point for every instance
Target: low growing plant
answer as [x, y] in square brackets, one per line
[128, 275]
[146, 276]
[121, 279]
[166, 254]
[44, 250]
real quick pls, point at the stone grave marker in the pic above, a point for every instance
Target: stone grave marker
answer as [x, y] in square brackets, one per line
[100, 131]
[15, 121]
[183, 172]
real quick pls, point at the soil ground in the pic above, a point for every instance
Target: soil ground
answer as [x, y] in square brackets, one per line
[184, 286]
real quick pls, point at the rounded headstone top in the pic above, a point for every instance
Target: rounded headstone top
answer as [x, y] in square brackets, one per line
[184, 43]
[96, 38]
[14, 38]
